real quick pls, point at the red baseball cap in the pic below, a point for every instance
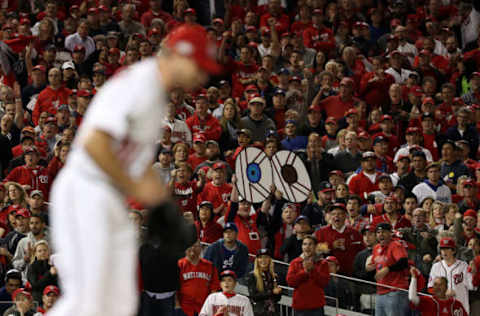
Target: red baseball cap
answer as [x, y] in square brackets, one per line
[386, 117]
[363, 135]
[251, 28]
[40, 67]
[51, 119]
[331, 119]
[190, 11]
[103, 8]
[476, 73]
[192, 41]
[336, 173]
[251, 87]
[92, 11]
[412, 130]
[21, 291]
[447, 242]
[199, 138]
[314, 107]
[23, 212]
[416, 90]
[351, 111]
[428, 100]
[332, 259]
[219, 165]
[51, 289]
[229, 273]
[218, 20]
[469, 182]
[470, 213]
[318, 11]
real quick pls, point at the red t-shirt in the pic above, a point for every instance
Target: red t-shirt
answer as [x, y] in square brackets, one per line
[186, 196]
[386, 256]
[432, 306]
[196, 283]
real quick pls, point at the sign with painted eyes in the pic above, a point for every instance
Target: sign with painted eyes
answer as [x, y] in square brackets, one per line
[256, 173]
[290, 176]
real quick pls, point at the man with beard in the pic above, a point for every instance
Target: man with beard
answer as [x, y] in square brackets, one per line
[24, 251]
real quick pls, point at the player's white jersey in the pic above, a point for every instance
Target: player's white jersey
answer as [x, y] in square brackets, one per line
[459, 279]
[237, 305]
[130, 108]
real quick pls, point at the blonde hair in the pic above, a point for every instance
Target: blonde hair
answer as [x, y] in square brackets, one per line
[431, 218]
[258, 274]
[36, 245]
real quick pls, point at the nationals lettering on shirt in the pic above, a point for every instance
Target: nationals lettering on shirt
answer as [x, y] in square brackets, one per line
[196, 275]
[231, 309]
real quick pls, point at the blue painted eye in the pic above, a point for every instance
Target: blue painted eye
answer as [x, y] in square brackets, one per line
[254, 173]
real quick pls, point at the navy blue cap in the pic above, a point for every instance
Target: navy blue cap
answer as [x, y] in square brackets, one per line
[271, 133]
[279, 91]
[207, 204]
[379, 139]
[284, 71]
[302, 217]
[230, 225]
[263, 252]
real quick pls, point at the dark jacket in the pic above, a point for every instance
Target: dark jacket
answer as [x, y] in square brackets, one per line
[216, 254]
[470, 135]
[264, 303]
[39, 276]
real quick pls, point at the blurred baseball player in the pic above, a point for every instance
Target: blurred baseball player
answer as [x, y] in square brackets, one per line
[110, 160]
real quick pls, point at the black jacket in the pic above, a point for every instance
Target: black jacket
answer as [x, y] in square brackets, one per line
[264, 303]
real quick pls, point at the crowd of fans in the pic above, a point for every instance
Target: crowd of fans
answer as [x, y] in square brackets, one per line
[380, 99]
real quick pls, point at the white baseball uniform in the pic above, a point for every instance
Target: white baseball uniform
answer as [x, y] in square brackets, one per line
[91, 232]
[459, 279]
[237, 305]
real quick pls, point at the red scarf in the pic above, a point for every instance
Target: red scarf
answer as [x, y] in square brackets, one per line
[229, 295]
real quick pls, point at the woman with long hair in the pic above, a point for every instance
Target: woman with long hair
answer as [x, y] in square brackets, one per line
[230, 123]
[262, 285]
[40, 271]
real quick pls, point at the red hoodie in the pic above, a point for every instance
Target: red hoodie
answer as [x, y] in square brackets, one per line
[308, 287]
[48, 101]
[37, 178]
[210, 127]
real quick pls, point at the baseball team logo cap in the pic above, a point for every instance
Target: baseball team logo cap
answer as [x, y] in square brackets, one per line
[447, 242]
[229, 273]
[192, 41]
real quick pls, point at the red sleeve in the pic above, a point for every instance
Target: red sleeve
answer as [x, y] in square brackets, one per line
[214, 283]
[321, 275]
[264, 19]
[458, 307]
[14, 175]
[144, 19]
[296, 274]
[399, 252]
[37, 110]
[215, 131]
[189, 122]
[327, 45]
[353, 187]
[476, 276]
[307, 38]
[364, 83]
